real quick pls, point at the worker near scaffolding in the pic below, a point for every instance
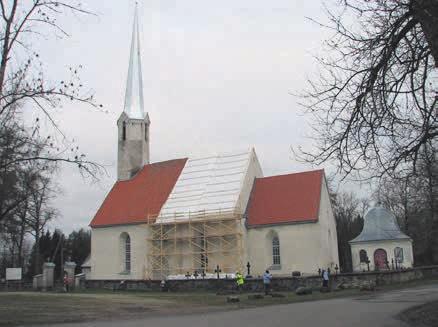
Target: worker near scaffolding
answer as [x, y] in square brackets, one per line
[239, 281]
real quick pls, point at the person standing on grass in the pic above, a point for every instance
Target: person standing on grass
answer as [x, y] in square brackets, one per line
[267, 282]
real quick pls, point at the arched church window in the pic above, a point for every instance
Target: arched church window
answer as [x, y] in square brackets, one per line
[363, 256]
[124, 131]
[126, 251]
[398, 254]
[276, 251]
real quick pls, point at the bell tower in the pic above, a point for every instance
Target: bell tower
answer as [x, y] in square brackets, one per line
[133, 124]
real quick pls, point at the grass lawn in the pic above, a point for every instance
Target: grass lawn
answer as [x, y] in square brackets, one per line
[425, 314]
[35, 307]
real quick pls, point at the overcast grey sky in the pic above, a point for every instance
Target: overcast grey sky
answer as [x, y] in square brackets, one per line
[217, 77]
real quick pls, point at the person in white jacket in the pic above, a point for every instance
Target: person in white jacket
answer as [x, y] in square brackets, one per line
[267, 281]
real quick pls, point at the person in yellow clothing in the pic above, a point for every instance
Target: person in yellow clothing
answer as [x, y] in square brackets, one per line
[239, 281]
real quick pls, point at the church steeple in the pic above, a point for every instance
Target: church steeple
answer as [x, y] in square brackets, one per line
[134, 105]
[133, 123]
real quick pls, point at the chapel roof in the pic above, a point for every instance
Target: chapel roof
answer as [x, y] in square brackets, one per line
[380, 224]
[285, 199]
[132, 201]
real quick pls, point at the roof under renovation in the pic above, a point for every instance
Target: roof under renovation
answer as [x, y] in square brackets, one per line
[207, 184]
[380, 224]
[175, 190]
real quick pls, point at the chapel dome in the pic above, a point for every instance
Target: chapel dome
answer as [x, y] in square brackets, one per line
[380, 224]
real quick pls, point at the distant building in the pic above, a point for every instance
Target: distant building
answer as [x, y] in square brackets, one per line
[205, 215]
[381, 245]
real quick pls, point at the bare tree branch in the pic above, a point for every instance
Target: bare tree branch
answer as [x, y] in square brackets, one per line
[374, 102]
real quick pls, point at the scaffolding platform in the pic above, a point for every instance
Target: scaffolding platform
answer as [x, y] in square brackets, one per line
[198, 243]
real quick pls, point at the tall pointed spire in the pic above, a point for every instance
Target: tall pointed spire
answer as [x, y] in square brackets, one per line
[134, 106]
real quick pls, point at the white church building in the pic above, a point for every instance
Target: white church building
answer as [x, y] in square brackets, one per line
[208, 215]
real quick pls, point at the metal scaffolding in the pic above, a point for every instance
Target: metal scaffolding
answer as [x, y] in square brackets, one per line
[197, 243]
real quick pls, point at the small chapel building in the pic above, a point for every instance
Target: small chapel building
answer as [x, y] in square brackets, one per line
[207, 215]
[381, 245]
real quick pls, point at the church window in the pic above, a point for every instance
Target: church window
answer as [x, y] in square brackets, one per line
[276, 251]
[363, 256]
[124, 131]
[127, 251]
[398, 254]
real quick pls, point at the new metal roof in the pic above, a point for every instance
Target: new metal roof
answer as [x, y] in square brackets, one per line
[380, 224]
[207, 184]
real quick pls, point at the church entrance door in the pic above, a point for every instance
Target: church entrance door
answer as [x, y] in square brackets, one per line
[380, 259]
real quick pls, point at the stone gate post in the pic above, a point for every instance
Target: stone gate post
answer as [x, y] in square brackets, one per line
[48, 275]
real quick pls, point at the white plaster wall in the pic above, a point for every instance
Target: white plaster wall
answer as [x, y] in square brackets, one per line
[329, 238]
[254, 171]
[107, 252]
[300, 248]
[388, 246]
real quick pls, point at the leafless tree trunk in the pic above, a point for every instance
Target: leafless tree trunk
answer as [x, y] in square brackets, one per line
[426, 12]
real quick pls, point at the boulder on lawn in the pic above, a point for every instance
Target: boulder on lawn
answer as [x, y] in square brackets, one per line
[368, 286]
[232, 299]
[340, 286]
[255, 296]
[226, 292]
[303, 290]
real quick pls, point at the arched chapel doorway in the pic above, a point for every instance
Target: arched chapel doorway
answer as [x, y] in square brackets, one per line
[380, 259]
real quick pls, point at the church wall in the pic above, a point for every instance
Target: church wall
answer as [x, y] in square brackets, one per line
[304, 247]
[329, 238]
[388, 246]
[300, 249]
[254, 171]
[107, 252]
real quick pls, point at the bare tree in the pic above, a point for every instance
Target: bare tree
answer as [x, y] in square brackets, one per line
[40, 211]
[348, 210]
[24, 85]
[414, 201]
[375, 101]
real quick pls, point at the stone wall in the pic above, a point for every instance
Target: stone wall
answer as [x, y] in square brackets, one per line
[353, 280]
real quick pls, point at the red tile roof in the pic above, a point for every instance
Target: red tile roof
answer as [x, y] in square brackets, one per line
[285, 199]
[131, 201]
